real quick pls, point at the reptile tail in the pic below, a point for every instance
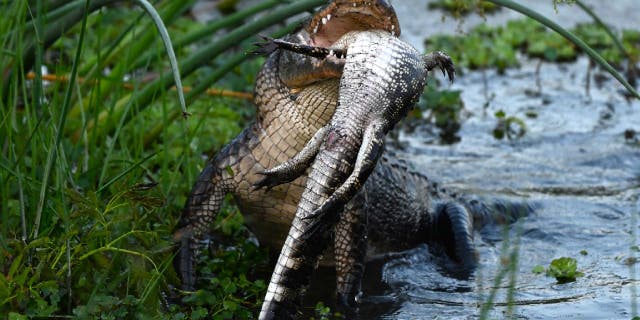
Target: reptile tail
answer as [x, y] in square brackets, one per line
[496, 211]
[452, 230]
[453, 223]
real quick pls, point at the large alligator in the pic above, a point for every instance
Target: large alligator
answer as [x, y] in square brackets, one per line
[382, 79]
[403, 207]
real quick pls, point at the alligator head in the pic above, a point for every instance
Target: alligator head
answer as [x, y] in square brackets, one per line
[342, 16]
[324, 29]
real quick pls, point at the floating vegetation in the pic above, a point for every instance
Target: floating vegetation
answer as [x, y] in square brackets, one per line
[497, 47]
[564, 269]
[464, 7]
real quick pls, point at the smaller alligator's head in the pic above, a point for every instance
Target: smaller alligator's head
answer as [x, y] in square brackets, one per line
[325, 28]
[342, 16]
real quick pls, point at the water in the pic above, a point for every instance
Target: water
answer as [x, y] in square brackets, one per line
[574, 163]
[418, 22]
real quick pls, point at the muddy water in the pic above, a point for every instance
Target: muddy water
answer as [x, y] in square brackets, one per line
[574, 163]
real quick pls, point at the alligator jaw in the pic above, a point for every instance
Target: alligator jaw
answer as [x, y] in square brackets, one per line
[342, 16]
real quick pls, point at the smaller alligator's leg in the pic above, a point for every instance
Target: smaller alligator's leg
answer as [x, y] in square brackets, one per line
[199, 213]
[452, 228]
[294, 167]
[441, 60]
[271, 45]
[368, 155]
[350, 249]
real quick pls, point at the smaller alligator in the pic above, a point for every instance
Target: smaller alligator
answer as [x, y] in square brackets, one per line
[382, 79]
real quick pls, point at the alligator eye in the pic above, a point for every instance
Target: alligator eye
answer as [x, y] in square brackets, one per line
[293, 96]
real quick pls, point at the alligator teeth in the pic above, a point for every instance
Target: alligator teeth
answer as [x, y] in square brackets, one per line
[324, 20]
[328, 17]
[315, 30]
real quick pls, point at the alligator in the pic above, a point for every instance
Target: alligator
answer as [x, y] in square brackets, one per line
[294, 101]
[382, 80]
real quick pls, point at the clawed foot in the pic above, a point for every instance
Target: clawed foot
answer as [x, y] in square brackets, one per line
[269, 180]
[442, 61]
[265, 48]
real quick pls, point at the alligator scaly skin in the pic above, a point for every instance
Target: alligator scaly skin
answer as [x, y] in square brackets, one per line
[282, 128]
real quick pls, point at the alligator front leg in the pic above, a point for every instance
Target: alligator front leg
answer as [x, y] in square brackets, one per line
[294, 167]
[199, 213]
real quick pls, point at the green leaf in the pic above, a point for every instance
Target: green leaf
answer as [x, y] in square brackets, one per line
[564, 269]
[17, 316]
[229, 305]
[538, 269]
[199, 313]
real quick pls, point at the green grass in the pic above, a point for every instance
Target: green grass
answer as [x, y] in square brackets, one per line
[87, 215]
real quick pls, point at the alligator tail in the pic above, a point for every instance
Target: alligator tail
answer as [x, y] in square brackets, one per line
[452, 229]
[496, 211]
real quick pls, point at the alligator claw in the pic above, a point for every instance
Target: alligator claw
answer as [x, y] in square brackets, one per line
[273, 178]
[268, 181]
[446, 64]
[442, 61]
[265, 48]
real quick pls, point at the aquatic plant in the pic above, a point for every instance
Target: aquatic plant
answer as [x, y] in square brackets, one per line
[571, 37]
[463, 7]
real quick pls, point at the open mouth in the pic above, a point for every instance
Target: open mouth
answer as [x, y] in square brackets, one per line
[342, 16]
